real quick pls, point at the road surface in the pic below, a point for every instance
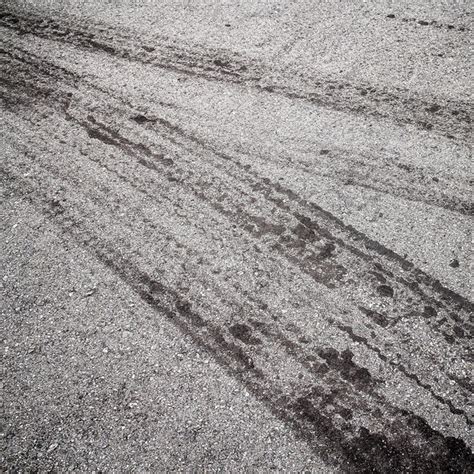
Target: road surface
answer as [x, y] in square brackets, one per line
[236, 236]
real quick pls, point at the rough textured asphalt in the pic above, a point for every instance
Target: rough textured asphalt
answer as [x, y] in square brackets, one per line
[236, 236]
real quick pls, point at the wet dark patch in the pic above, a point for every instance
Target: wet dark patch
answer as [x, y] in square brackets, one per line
[304, 233]
[376, 449]
[342, 362]
[376, 317]
[141, 119]
[244, 333]
[385, 290]
[327, 251]
[148, 49]
[102, 47]
[442, 454]
[96, 134]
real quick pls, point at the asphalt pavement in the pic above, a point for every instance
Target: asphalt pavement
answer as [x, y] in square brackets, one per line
[236, 236]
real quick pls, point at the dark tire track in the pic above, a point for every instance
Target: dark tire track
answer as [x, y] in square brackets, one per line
[327, 327]
[140, 149]
[401, 106]
[443, 454]
[305, 232]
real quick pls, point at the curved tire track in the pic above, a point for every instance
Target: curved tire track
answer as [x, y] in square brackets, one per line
[340, 365]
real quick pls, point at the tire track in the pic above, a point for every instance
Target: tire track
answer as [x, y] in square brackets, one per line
[310, 373]
[400, 106]
[57, 210]
[300, 410]
[428, 23]
[263, 228]
[424, 385]
[382, 174]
